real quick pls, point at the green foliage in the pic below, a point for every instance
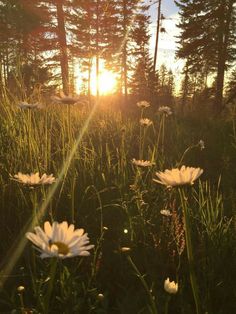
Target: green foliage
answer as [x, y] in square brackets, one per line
[119, 205]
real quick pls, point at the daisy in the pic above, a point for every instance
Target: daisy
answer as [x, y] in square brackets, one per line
[170, 286]
[60, 240]
[34, 179]
[165, 110]
[25, 105]
[142, 163]
[145, 122]
[65, 100]
[165, 212]
[143, 104]
[176, 177]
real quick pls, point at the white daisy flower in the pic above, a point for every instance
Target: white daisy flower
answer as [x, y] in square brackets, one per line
[65, 100]
[60, 240]
[25, 105]
[165, 212]
[170, 286]
[125, 249]
[176, 177]
[143, 104]
[165, 110]
[142, 163]
[145, 122]
[34, 179]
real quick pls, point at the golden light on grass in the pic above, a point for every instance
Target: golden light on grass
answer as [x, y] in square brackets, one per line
[14, 253]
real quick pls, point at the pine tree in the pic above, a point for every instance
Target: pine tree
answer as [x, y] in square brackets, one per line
[165, 85]
[94, 33]
[231, 88]
[22, 43]
[207, 38]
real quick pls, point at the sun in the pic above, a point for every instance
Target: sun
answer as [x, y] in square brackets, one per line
[107, 83]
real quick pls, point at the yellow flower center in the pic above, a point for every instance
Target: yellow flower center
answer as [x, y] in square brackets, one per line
[62, 247]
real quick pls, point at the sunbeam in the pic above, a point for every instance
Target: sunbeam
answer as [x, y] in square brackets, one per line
[17, 248]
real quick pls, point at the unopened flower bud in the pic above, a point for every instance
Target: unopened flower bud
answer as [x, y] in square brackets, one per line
[20, 289]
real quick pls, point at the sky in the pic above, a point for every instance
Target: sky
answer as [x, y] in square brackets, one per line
[167, 41]
[166, 47]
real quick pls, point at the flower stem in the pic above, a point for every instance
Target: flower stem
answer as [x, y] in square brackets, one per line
[163, 134]
[34, 199]
[141, 277]
[52, 274]
[22, 306]
[159, 133]
[167, 304]
[193, 278]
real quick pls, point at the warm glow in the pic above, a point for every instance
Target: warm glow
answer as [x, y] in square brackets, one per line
[107, 81]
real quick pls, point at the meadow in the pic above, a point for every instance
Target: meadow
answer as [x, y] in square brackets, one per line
[143, 232]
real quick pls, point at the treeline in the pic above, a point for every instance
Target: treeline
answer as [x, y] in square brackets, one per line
[39, 37]
[42, 41]
[207, 44]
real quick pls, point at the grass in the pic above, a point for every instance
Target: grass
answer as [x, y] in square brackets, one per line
[91, 155]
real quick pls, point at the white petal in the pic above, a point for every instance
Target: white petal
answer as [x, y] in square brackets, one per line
[54, 237]
[41, 234]
[48, 229]
[34, 238]
[84, 253]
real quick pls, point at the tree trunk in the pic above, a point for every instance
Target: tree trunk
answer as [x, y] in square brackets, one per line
[124, 51]
[63, 46]
[125, 72]
[157, 35]
[89, 81]
[223, 38]
[97, 48]
[185, 88]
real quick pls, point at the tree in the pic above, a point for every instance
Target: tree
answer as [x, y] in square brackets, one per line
[157, 34]
[61, 32]
[231, 88]
[165, 86]
[95, 33]
[207, 38]
[143, 66]
[22, 44]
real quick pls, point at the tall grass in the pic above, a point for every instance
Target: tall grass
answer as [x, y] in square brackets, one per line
[119, 205]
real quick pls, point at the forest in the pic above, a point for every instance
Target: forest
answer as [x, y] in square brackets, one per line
[117, 172]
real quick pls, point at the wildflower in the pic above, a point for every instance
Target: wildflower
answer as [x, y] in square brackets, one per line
[145, 122]
[21, 289]
[170, 286]
[175, 177]
[142, 163]
[133, 187]
[143, 104]
[165, 110]
[65, 100]
[25, 105]
[60, 240]
[100, 296]
[34, 179]
[178, 231]
[201, 144]
[165, 212]
[125, 249]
